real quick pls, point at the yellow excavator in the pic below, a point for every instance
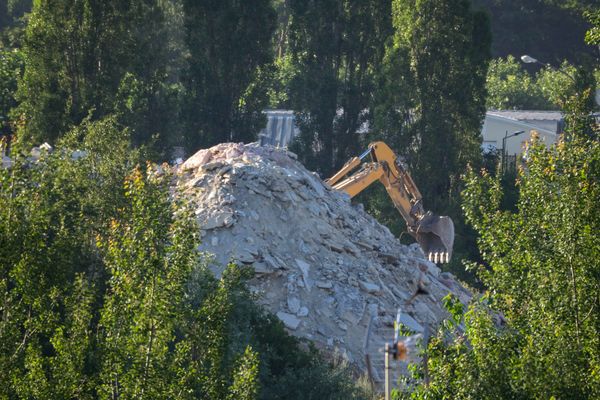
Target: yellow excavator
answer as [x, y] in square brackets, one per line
[435, 234]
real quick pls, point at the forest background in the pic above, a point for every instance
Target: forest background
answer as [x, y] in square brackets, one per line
[131, 80]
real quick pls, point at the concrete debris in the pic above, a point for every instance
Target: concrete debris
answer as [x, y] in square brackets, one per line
[410, 323]
[323, 265]
[289, 320]
[35, 154]
[369, 287]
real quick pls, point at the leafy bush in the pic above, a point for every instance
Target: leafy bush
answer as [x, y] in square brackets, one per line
[536, 332]
[104, 295]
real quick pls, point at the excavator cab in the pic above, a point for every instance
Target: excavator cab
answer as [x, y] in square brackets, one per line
[435, 234]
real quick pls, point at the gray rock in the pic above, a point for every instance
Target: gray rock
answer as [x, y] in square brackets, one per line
[337, 247]
[305, 268]
[388, 257]
[212, 166]
[446, 275]
[314, 208]
[198, 159]
[351, 317]
[317, 185]
[6, 162]
[77, 154]
[290, 321]
[303, 194]
[262, 268]
[246, 255]
[447, 282]
[223, 170]
[369, 287]
[219, 220]
[373, 309]
[293, 304]
[410, 323]
[324, 285]
[272, 262]
[302, 312]
[365, 245]
[279, 186]
[228, 200]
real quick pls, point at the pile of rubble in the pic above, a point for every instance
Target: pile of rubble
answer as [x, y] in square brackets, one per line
[323, 265]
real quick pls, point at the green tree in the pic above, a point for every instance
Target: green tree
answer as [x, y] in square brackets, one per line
[149, 256]
[429, 105]
[229, 44]
[12, 22]
[88, 57]
[509, 86]
[11, 68]
[49, 268]
[334, 48]
[555, 85]
[592, 36]
[448, 55]
[535, 334]
[245, 379]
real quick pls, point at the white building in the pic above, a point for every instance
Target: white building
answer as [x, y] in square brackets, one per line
[280, 129]
[502, 123]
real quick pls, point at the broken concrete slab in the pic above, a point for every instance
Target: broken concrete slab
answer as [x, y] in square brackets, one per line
[290, 321]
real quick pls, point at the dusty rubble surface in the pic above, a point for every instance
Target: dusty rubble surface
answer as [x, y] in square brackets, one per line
[323, 265]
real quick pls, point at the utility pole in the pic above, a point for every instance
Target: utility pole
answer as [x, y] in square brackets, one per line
[387, 371]
[504, 158]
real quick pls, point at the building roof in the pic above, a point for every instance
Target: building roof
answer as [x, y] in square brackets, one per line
[531, 115]
[547, 122]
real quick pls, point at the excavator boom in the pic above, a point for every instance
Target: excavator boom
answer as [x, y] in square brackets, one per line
[435, 234]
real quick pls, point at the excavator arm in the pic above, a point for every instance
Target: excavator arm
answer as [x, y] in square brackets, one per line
[434, 234]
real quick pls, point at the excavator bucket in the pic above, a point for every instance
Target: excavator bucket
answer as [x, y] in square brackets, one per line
[435, 235]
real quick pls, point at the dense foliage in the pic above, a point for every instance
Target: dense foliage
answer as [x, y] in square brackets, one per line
[102, 291]
[229, 63]
[335, 48]
[104, 295]
[11, 67]
[430, 102]
[535, 333]
[510, 86]
[87, 57]
[443, 77]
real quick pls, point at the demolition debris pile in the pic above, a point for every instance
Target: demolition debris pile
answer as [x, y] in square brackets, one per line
[323, 265]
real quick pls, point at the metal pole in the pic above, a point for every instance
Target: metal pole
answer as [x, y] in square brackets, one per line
[504, 151]
[387, 371]
[426, 355]
[367, 356]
